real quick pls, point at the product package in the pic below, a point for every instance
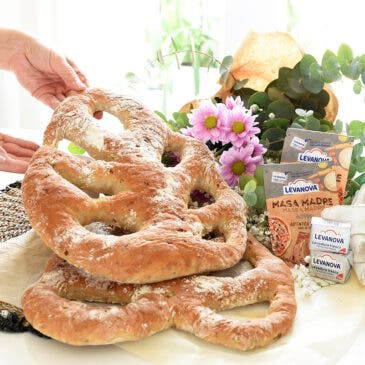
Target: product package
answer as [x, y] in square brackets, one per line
[301, 145]
[330, 236]
[295, 192]
[331, 266]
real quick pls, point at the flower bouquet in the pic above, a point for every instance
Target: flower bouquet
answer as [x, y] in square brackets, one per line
[268, 87]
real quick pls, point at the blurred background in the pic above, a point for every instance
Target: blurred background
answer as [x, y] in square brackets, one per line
[117, 44]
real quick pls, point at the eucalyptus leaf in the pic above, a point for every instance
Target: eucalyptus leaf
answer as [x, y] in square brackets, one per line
[250, 198]
[305, 64]
[344, 54]
[359, 163]
[259, 175]
[225, 66]
[355, 128]
[260, 98]
[313, 124]
[244, 179]
[276, 122]
[313, 85]
[261, 198]
[357, 87]
[281, 109]
[250, 186]
[296, 125]
[339, 126]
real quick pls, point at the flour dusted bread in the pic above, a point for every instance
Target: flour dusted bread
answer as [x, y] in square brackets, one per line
[127, 186]
[59, 305]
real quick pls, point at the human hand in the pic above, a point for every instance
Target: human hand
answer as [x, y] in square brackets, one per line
[47, 75]
[15, 153]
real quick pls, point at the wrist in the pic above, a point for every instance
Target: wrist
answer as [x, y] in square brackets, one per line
[12, 44]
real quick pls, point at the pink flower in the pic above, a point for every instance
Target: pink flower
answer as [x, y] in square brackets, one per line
[187, 132]
[232, 103]
[207, 122]
[237, 161]
[258, 150]
[240, 127]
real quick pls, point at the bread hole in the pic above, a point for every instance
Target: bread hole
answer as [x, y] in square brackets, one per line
[71, 148]
[107, 229]
[170, 158]
[110, 122]
[247, 312]
[214, 235]
[200, 198]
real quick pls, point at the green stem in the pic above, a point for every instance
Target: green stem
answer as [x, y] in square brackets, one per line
[203, 54]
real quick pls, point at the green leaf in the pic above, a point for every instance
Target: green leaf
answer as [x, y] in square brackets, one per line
[324, 128]
[360, 179]
[355, 128]
[259, 175]
[300, 112]
[225, 67]
[244, 179]
[250, 198]
[260, 98]
[250, 186]
[344, 54]
[312, 85]
[352, 187]
[357, 87]
[240, 84]
[363, 77]
[357, 151]
[362, 138]
[339, 126]
[261, 198]
[359, 163]
[315, 71]
[75, 149]
[274, 137]
[313, 124]
[276, 122]
[161, 115]
[329, 61]
[281, 109]
[352, 171]
[305, 64]
[296, 125]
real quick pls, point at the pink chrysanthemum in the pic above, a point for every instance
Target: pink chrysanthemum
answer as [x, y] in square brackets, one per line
[240, 127]
[258, 150]
[207, 122]
[231, 103]
[237, 161]
[187, 132]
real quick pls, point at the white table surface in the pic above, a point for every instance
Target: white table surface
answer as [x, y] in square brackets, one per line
[27, 349]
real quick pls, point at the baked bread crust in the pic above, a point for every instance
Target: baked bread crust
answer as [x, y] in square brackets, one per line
[140, 195]
[54, 304]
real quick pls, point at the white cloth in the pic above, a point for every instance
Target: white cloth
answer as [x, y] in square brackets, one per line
[315, 338]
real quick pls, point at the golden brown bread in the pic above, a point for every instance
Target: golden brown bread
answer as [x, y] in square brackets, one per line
[58, 305]
[164, 238]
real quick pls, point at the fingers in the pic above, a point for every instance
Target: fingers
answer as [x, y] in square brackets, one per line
[17, 150]
[18, 141]
[67, 73]
[79, 73]
[9, 164]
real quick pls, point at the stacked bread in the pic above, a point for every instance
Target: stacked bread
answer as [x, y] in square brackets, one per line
[126, 240]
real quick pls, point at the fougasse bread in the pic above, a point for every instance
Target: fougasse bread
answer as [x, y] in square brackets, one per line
[296, 192]
[301, 145]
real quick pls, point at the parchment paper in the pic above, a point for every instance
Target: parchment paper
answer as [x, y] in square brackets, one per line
[329, 327]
